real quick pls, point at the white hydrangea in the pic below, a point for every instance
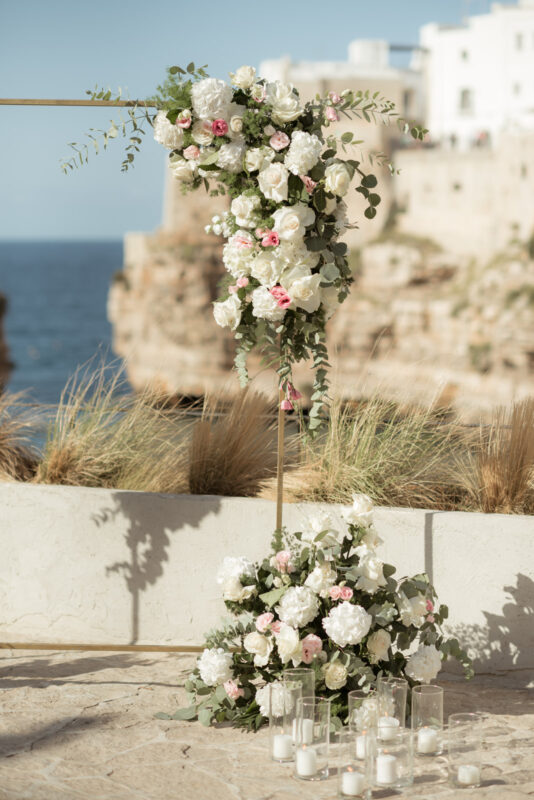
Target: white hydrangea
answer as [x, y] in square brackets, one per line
[211, 98]
[260, 646]
[347, 624]
[360, 512]
[303, 288]
[264, 305]
[303, 153]
[289, 645]
[369, 570]
[236, 258]
[424, 665]
[244, 208]
[215, 666]
[227, 313]
[412, 610]
[296, 254]
[170, 136]
[321, 579]
[281, 699]
[298, 606]
[235, 567]
[284, 101]
[231, 155]
[378, 645]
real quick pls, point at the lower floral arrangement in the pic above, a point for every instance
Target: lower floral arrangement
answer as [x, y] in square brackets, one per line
[322, 599]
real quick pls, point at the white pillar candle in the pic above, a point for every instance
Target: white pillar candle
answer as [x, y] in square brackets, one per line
[386, 769]
[306, 731]
[352, 783]
[361, 747]
[387, 728]
[306, 762]
[468, 774]
[427, 740]
[282, 746]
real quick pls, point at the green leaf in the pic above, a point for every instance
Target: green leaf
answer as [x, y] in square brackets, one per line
[204, 717]
[374, 199]
[162, 715]
[185, 713]
[316, 244]
[272, 597]
[211, 158]
[369, 181]
[370, 212]
[191, 67]
[347, 137]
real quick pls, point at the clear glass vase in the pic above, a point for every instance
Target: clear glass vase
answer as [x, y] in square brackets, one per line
[427, 720]
[312, 741]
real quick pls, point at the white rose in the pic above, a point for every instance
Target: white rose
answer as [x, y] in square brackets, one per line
[298, 606]
[303, 288]
[258, 158]
[184, 170]
[269, 130]
[243, 208]
[236, 124]
[290, 222]
[266, 268]
[202, 133]
[260, 646]
[303, 153]
[335, 675]
[264, 305]
[378, 645]
[329, 300]
[369, 570]
[272, 181]
[318, 523]
[281, 699]
[321, 579]
[331, 205]
[215, 666]
[288, 644]
[347, 624]
[243, 77]
[412, 610]
[296, 254]
[235, 567]
[337, 179]
[424, 665]
[231, 156]
[170, 136]
[228, 312]
[284, 101]
[211, 98]
[360, 512]
[235, 592]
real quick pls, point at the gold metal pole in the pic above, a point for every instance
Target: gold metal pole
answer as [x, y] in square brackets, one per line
[121, 103]
[280, 463]
[112, 648]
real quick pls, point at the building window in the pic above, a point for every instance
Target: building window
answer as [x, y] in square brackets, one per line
[519, 41]
[466, 100]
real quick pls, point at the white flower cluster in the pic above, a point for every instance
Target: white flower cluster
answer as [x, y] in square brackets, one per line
[230, 576]
[215, 666]
[347, 624]
[424, 665]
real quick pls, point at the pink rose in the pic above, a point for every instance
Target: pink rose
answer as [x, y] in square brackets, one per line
[263, 621]
[335, 592]
[331, 114]
[311, 645]
[429, 606]
[276, 627]
[232, 690]
[192, 152]
[219, 127]
[233, 289]
[279, 140]
[346, 593]
[283, 558]
[241, 283]
[309, 184]
[259, 232]
[270, 238]
[281, 296]
[430, 618]
[334, 97]
[183, 120]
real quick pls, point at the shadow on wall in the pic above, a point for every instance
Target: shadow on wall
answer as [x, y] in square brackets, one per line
[148, 539]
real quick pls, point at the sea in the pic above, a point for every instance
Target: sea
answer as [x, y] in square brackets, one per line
[56, 320]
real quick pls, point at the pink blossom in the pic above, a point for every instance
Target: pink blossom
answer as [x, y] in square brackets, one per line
[276, 627]
[233, 289]
[331, 114]
[241, 241]
[335, 592]
[192, 152]
[183, 120]
[346, 593]
[311, 645]
[241, 282]
[281, 296]
[263, 621]
[429, 605]
[430, 618]
[219, 127]
[292, 393]
[259, 232]
[232, 690]
[283, 561]
[286, 405]
[270, 238]
[309, 184]
[279, 140]
[334, 97]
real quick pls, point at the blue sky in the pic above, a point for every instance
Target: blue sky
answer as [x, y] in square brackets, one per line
[60, 48]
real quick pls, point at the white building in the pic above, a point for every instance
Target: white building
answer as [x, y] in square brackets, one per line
[479, 78]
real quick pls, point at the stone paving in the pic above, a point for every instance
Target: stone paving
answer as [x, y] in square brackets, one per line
[82, 725]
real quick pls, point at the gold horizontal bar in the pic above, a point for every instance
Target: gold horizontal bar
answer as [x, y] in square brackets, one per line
[121, 103]
[112, 648]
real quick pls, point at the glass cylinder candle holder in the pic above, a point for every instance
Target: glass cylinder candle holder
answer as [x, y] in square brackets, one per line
[354, 775]
[392, 694]
[303, 675]
[427, 720]
[283, 706]
[465, 751]
[312, 740]
[393, 762]
[362, 719]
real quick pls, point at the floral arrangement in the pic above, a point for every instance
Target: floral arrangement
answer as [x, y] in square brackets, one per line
[322, 599]
[278, 160]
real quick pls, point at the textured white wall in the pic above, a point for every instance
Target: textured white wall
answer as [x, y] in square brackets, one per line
[99, 566]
